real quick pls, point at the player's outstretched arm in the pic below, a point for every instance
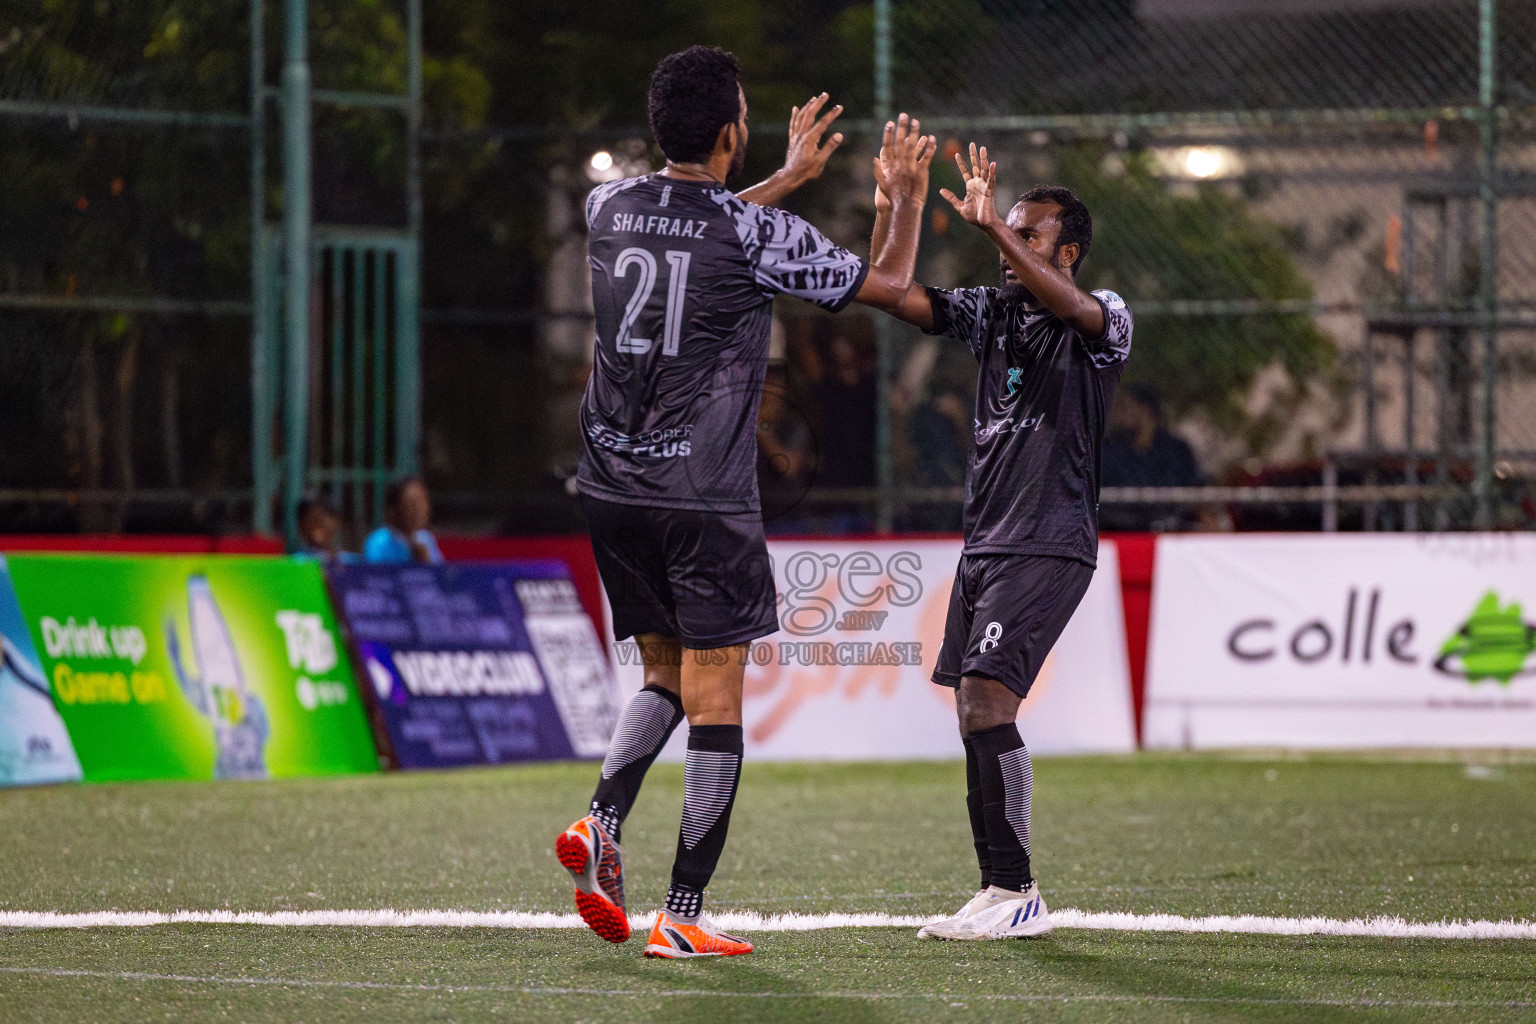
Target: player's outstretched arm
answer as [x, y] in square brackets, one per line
[805, 158]
[915, 308]
[1053, 286]
[904, 178]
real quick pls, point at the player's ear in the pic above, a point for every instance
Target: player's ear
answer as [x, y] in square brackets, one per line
[728, 140]
[1066, 255]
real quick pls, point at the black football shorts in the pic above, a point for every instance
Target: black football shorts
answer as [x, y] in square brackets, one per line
[702, 577]
[1006, 612]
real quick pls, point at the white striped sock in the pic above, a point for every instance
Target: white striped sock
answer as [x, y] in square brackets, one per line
[643, 728]
[1018, 788]
[709, 783]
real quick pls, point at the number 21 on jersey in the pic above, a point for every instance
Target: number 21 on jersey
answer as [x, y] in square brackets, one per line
[677, 287]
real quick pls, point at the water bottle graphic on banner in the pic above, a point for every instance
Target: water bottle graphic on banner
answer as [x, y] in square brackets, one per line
[218, 690]
[34, 746]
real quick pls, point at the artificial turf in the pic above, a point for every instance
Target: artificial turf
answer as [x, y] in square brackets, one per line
[1334, 836]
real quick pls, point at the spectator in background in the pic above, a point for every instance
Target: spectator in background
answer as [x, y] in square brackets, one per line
[320, 531]
[845, 390]
[1139, 451]
[939, 434]
[786, 454]
[404, 537]
[840, 380]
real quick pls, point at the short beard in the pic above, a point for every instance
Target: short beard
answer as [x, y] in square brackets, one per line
[1012, 293]
[738, 161]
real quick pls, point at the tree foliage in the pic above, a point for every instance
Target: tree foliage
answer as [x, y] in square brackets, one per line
[1162, 244]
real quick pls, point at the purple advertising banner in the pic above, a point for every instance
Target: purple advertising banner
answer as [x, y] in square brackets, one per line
[478, 663]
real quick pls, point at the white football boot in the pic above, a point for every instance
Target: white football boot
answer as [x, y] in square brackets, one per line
[1007, 915]
[942, 929]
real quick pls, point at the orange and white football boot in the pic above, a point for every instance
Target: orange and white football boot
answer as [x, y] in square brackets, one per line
[596, 864]
[672, 939]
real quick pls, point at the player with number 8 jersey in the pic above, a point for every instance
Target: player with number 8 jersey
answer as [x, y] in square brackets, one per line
[684, 274]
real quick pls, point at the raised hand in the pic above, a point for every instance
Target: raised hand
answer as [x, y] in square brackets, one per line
[906, 156]
[806, 157]
[883, 200]
[980, 177]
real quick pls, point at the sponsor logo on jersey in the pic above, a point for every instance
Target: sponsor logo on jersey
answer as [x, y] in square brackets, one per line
[1007, 425]
[664, 443]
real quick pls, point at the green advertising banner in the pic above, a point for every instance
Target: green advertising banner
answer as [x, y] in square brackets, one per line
[195, 667]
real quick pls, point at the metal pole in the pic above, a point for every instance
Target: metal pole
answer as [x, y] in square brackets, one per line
[885, 327]
[261, 382]
[296, 263]
[1411, 455]
[1330, 494]
[1370, 422]
[1488, 285]
[1448, 252]
[882, 60]
[1410, 374]
[408, 267]
[413, 118]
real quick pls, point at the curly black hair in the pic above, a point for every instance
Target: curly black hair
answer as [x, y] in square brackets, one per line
[694, 93]
[1076, 224]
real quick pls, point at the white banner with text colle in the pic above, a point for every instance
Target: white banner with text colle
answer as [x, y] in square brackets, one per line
[1343, 641]
[847, 675]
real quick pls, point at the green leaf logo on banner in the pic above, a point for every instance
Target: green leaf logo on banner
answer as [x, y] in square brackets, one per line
[1494, 643]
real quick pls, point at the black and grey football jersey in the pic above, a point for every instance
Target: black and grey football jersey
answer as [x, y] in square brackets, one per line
[683, 278]
[1042, 395]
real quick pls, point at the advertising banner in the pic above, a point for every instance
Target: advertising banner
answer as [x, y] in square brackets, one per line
[1343, 641]
[479, 663]
[34, 746]
[847, 675]
[194, 667]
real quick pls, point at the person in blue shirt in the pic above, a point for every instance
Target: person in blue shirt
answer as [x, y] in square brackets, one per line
[404, 537]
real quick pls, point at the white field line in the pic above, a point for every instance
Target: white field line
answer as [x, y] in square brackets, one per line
[1364, 927]
[952, 998]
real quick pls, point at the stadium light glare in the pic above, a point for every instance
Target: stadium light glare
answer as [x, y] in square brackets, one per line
[1204, 161]
[1189, 163]
[604, 166]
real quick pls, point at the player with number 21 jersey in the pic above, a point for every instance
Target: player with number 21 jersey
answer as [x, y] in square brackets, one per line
[684, 274]
[683, 278]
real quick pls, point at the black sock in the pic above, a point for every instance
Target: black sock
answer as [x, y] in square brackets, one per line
[643, 730]
[1007, 782]
[710, 776]
[973, 804]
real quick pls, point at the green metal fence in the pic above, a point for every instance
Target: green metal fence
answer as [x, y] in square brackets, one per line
[143, 142]
[364, 421]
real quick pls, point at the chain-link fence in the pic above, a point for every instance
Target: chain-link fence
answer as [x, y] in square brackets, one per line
[124, 278]
[1297, 202]
[127, 296]
[1321, 212]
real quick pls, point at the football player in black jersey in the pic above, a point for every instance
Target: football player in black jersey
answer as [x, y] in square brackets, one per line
[684, 273]
[1050, 356]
